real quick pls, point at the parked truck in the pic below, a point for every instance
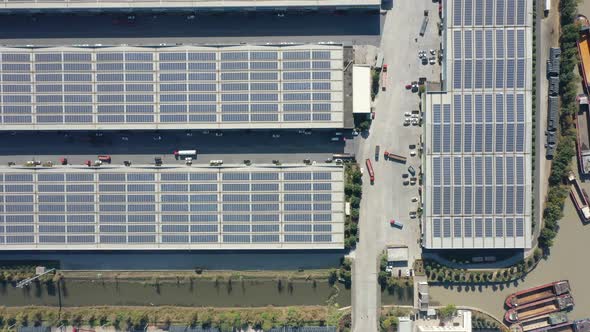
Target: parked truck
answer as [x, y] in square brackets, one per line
[182, 154]
[394, 157]
[370, 170]
[547, 7]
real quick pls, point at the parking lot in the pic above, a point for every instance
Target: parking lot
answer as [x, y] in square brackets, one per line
[389, 198]
[233, 147]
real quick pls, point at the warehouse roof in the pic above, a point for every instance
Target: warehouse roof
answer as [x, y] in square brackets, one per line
[172, 207]
[181, 4]
[182, 87]
[479, 133]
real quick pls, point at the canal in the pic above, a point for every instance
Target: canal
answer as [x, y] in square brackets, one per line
[246, 293]
[566, 261]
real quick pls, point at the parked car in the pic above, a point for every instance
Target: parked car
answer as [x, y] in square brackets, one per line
[396, 223]
[411, 170]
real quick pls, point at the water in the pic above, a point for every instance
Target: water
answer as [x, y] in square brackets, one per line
[399, 297]
[567, 261]
[248, 293]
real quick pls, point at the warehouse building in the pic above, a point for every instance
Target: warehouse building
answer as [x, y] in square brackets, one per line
[10, 6]
[172, 207]
[182, 87]
[478, 133]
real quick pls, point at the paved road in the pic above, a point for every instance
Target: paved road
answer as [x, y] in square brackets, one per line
[140, 147]
[547, 36]
[388, 197]
[358, 28]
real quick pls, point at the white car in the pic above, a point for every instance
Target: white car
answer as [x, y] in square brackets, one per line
[407, 272]
[412, 153]
[276, 135]
[407, 114]
[432, 61]
[218, 134]
[432, 52]
[415, 122]
[355, 133]
[388, 269]
[415, 199]
[362, 171]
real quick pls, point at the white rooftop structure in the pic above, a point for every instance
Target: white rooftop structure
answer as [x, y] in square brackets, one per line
[404, 324]
[181, 87]
[460, 323]
[175, 5]
[361, 89]
[397, 254]
[478, 134]
[172, 207]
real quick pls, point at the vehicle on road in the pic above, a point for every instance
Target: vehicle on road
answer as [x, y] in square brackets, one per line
[179, 154]
[411, 170]
[396, 223]
[408, 114]
[415, 199]
[413, 214]
[63, 161]
[424, 23]
[343, 156]
[205, 132]
[218, 134]
[158, 161]
[432, 60]
[335, 139]
[377, 148]
[276, 135]
[105, 159]
[157, 138]
[406, 182]
[188, 160]
[412, 153]
[384, 78]
[215, 162]
[407, 122]
[415, 112]
[370, 170]
[408, 86]
[395, 157]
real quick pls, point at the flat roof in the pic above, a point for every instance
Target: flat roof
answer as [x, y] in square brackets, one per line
[172, 207]
[479, 131]
[361, 89]
[181, 87]
[397, 254]
[61, 5]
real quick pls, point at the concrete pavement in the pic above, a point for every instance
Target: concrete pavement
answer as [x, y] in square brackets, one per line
[388, 197]
[547, 31]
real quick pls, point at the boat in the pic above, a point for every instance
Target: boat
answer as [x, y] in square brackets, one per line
[539, 308]
[581, 325]
[538, 323]
[538, 293]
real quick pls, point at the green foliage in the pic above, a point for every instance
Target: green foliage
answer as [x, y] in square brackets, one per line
[447, 312]
[332, 276]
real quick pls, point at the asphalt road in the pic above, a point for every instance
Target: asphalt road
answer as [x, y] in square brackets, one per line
[388, 197]
[141, 148]
[260, 28]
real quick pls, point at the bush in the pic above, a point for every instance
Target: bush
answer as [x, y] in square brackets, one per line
[447, 312]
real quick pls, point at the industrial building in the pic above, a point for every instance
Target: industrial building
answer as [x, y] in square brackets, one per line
[172, 207]
[180, 87]
[181, 5]
[478, 132]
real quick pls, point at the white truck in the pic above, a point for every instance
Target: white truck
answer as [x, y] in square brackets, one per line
[183, 154]
[547, 7]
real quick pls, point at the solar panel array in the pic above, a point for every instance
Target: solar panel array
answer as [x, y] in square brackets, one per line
[116, 87]
[479, 133]
[202, 208]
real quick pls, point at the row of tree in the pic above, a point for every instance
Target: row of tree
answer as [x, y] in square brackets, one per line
[139, 317]
[439, 273]
[566, 149]
[353, 191]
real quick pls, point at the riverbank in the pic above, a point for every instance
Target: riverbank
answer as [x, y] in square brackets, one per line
[140, 317]
[564, 262]
[187, 275]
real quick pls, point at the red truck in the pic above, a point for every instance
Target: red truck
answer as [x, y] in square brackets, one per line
[105, 158]
[390, 156]
[370, 170]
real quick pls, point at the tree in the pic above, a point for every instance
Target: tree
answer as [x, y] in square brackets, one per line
[356, 177]
[447, 312]
[546, 238]
[332, 276]
[355, 202]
